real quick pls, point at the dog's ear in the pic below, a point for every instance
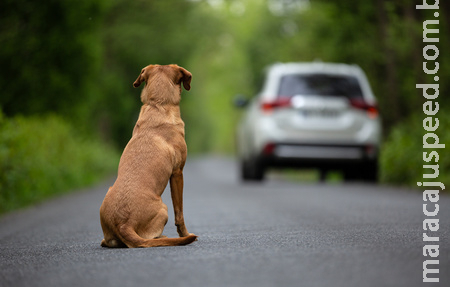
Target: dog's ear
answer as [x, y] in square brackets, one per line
[186, 78]
[140, 79]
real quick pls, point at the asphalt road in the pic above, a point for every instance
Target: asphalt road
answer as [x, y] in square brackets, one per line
[280, 233]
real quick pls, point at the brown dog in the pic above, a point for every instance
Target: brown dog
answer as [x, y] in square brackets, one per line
[132, 213]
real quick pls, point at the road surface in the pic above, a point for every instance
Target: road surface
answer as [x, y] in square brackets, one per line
[280, 233]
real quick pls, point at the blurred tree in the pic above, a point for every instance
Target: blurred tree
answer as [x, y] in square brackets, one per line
[49, 56]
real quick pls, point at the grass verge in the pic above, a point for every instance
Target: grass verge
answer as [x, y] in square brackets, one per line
[42, 156]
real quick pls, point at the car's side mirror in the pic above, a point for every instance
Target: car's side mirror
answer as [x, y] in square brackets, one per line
[240, 101]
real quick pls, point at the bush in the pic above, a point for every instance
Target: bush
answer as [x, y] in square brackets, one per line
[44, 156]
[402, 153]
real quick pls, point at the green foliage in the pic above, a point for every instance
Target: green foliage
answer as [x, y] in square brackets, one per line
[50, 57]
[220, 70]
[50, 60]
[43, 156]
[402, 157]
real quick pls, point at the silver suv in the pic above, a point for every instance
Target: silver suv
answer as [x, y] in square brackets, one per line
[311, 115]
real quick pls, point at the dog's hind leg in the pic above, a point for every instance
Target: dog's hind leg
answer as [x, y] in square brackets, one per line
[155, 226]
[112, 243]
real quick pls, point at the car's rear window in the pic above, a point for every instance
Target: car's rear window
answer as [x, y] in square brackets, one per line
[319, 84]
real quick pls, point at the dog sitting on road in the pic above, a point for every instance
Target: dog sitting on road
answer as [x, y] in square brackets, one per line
[132, 213]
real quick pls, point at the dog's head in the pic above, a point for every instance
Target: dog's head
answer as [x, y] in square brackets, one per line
[163, 83]
[173, 73]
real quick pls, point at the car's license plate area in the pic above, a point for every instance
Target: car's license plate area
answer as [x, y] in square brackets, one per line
[323, 113]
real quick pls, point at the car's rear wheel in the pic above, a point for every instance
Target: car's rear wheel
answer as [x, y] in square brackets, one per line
[352, 173]
[370, 171]
[366, 172]
[252, 170]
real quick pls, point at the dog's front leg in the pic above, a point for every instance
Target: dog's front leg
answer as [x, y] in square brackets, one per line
[176, 189]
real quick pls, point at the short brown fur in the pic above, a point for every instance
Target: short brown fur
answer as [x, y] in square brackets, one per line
[132, 213]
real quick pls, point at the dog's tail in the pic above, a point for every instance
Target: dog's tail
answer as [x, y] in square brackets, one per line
[133, 240]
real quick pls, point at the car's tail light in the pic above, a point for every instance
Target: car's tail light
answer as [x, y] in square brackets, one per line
[269, 106]
[372, 110]
[371, 151]
[269, 149]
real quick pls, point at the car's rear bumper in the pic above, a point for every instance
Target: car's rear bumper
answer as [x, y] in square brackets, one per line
[317, 156]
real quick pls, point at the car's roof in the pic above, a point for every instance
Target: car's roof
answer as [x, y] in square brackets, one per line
[314, 67]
